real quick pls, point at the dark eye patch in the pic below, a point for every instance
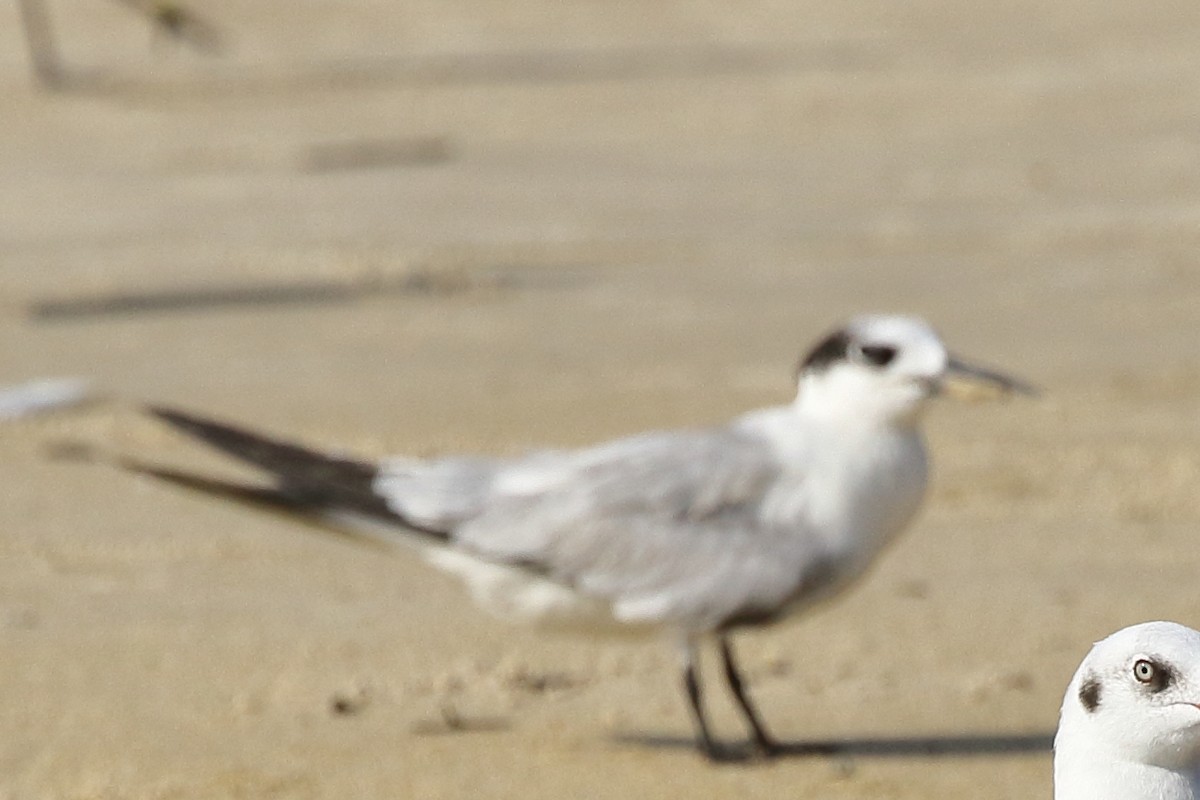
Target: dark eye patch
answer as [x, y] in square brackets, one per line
[878, 354]
[1153, 674]
[840, 346]
[1089, 694]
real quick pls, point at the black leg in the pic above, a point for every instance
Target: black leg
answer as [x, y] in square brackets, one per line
[691, 683]
[763, 742]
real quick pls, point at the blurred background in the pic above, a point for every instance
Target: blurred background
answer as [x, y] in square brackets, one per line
[435, 226]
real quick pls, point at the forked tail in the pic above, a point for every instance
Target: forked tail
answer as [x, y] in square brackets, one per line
[306, 482]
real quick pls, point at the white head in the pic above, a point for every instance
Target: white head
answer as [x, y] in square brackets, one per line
[884, 368]
[1131, 716]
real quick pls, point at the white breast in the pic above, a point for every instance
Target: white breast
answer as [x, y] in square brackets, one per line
[1099, 776]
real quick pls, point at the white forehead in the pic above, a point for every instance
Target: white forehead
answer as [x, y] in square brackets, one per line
[1177, 643]
[894, 329]
[920, 349]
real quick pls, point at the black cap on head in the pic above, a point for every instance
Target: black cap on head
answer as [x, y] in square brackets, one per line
[833, 348]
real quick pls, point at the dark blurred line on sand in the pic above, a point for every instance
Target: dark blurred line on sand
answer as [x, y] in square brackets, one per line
[300, 293]
[376, 153]
[512, 67]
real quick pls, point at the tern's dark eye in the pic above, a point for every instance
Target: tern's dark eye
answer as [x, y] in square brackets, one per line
[878, 355]
[1152, 675]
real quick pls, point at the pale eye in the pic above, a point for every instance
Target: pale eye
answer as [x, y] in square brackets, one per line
[1154, 675]
[1144, 671]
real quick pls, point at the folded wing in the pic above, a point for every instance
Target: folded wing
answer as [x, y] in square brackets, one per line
[702, 525]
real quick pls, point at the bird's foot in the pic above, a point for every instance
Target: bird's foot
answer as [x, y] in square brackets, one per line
[764, 748]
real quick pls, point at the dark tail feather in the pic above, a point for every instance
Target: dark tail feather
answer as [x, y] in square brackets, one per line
[284, 459]
[307, 480]
[260, 498]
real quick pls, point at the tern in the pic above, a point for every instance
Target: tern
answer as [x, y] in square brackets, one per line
[695, 533]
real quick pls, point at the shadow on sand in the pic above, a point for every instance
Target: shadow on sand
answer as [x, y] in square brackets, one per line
[939, 745]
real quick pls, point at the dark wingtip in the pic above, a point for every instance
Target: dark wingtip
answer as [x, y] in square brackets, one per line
[178, 418]
[261, 498]
[304, 476]
[164, 412]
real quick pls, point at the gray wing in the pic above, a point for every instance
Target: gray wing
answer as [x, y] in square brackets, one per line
[701, 526]
[706, 528]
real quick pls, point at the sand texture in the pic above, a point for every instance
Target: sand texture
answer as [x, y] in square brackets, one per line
[447, 226]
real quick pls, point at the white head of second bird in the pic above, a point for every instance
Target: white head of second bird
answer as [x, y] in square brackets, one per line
[885, 369]
[1130, 725]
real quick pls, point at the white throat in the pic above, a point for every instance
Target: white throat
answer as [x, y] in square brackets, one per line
[1083, 772]
[860, 400]
[1102, 755]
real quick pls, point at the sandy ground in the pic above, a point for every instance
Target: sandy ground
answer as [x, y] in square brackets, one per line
[441, 226]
